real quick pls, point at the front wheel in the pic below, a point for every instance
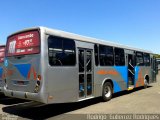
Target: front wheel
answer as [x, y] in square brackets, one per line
[107, 91]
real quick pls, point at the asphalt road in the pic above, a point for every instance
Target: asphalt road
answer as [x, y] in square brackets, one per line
[138, 101]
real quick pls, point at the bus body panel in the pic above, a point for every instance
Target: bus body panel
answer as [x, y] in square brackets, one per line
[63, 80]
[62, 84]
[140, 74]
[2, 69]
[117, 74]
[2, 74]
[22, 73]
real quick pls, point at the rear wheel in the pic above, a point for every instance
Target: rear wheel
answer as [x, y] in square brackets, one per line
[145, 83]
[107, 91]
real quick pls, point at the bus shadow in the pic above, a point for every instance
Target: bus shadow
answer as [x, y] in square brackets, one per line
[47, 111]
[128, 92]
[53, 110]
[9, 101]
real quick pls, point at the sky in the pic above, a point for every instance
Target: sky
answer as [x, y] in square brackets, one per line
[130, 22]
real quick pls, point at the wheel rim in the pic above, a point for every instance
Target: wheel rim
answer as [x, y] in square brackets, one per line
[107, 91]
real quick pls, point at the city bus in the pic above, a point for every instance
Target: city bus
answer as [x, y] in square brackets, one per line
[2, 54]
[53, 66]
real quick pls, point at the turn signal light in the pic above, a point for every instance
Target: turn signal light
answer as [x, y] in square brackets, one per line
[50, 97]
[37, 87]
[39, 77]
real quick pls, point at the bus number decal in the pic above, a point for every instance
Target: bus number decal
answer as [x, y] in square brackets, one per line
[12, 46]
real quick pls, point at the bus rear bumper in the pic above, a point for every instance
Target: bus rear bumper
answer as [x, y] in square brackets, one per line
[25, 95]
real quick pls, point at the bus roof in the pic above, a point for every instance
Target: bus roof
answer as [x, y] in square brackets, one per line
[81, 38]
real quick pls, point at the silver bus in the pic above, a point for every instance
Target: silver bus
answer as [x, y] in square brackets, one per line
[2, 74]
[53, 66]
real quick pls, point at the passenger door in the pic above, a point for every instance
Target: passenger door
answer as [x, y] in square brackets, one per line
[153, 68]
[131, 70]
[85, 72]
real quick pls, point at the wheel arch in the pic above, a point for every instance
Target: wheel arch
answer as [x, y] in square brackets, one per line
[107, 80]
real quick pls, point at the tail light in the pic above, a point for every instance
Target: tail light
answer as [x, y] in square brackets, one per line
[39, 77]
[37, 87]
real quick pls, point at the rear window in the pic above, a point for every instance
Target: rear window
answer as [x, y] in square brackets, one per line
[2, 52]
[23, 43]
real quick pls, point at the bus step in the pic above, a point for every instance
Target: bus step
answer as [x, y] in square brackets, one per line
[130, 88]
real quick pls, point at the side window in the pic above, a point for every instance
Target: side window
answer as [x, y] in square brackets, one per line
[61, 51]
[139, 59]
[96, 54]
[106, 55]
[146, 59]
[119, 57]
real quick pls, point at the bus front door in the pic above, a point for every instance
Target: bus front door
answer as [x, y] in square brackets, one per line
[131, 71]
[154, 69]
[85, 73]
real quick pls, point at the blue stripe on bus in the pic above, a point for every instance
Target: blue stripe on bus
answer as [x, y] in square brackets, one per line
[1, 70]
[23, 69]
[122, 70]
[117, 88]
[136, 73]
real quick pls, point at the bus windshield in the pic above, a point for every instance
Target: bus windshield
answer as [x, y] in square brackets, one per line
[23, 43]
[2, 52]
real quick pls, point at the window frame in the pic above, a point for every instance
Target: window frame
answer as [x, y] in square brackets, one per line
[142, 58]
[120, 57]
[96, 59]
[145, 63]
[105, 46]
[63, 50]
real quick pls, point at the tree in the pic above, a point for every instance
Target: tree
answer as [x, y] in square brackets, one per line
[157, 55]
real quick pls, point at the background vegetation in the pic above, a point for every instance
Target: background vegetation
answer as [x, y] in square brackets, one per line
[157, 55]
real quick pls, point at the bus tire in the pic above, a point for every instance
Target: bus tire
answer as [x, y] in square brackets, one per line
[107, 91]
